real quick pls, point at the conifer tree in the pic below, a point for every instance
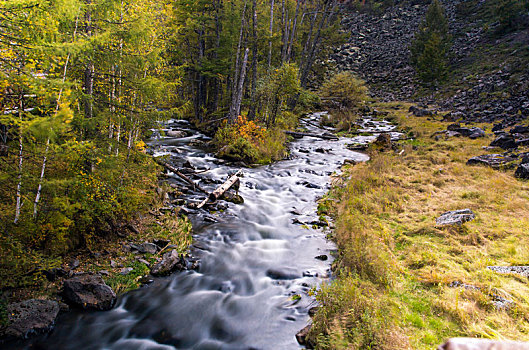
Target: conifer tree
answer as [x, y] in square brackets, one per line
[429, 49]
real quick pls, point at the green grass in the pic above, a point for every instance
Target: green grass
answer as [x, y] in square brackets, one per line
[393, 260]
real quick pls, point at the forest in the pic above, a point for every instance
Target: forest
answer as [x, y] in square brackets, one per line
[83, 82]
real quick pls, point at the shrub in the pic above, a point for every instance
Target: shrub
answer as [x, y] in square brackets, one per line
[344, 90]
[247, 141]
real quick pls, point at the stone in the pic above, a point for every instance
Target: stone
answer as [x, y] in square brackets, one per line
[522, 172]
[52, 274]
[322, 257]
[301, 337]
[420, 112]
[504, 141]
[170, 261]
[519, 270]
[282, 274]
[176, 133]
[519, 129]
[145, 248]
[231, 197]
[30, 317]
[455, 217]
[482, 344]
[493, 160]
[89, 291]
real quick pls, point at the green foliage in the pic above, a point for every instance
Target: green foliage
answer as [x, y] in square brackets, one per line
[123, 283]
[345, 89]
[429, 49]
[275, 90]
[507, 12]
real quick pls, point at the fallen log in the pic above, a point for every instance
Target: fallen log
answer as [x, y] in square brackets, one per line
[326, 136]
[177, 172]
[213, 196]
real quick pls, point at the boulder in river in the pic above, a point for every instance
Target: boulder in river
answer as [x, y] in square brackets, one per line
[482, 344]
[455, 217]
[176, 133]
[301, 337]
[89, 291]
[30, 317]
[170, 261]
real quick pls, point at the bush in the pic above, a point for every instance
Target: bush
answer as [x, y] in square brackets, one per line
[251, 143]
[344, 90]
[429, 49]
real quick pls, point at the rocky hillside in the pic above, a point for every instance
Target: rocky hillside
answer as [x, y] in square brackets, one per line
[489, 72]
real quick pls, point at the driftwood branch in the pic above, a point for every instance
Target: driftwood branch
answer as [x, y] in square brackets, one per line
[213, 196]
[325, 136]
[177, 172]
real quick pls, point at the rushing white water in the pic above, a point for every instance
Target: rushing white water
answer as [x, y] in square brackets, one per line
[252, 261]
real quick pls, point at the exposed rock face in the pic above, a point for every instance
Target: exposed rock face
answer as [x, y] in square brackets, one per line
[89, 291]
[420, 112]
[378, 51]
[170, 261]
[30, 317]
[176, 133]
[456, 217]
[482, 344]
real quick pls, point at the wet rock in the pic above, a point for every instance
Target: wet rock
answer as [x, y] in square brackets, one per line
[455, 217]
[322, 257]
[482, 344]
[89, 291]
[146, 280]
[231, 197]
[313, 310]
[170, 262]
[420, 112]
[493, 160]
[282, 274]
[350, 162]
[302, 335]
[30, 317]
[307, 184]
[176, 133]
[522, 172]
[357, 146]
[504, 141]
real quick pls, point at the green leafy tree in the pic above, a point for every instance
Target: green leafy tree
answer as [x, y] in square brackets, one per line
[430, 47]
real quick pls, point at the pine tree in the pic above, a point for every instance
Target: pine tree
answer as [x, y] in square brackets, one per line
[429, 49]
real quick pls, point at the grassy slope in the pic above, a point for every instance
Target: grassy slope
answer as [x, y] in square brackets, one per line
[395, 265]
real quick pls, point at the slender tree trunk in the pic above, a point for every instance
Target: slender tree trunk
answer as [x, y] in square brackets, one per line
[235, 109]
[238, 72]
[253, 102]
[271, 33]
[20, 159]
[293, 33]
[45, 158]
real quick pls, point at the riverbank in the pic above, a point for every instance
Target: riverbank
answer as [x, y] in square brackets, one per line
[404, 282]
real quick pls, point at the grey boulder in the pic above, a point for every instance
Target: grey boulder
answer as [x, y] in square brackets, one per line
[455, 217]
[89, 291]
[170, 261]
[30, 317]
